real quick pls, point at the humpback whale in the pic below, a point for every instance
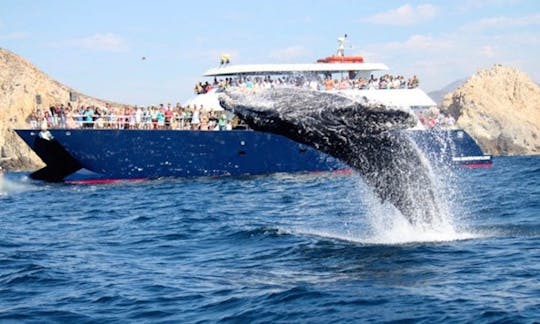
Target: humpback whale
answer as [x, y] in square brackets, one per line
[368, 137]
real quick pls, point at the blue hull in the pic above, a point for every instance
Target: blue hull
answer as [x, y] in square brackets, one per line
[147, 154]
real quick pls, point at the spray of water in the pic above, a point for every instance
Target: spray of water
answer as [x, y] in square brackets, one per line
[9, 186]
[388, 226]
[384, 224]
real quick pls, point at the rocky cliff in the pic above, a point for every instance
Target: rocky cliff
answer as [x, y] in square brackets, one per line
[22, 86]
[500, 108]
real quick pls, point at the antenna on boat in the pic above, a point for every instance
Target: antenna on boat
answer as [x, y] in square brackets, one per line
[341, 45]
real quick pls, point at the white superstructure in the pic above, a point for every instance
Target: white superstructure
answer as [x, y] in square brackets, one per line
[353, 77]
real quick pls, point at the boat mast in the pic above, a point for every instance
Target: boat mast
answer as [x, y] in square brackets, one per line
[341, 45]
[341, 48]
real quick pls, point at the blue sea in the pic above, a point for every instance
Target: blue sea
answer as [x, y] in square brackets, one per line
[285, 248]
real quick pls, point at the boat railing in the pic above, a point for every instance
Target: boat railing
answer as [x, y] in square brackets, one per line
[72, 121]
[315, 82]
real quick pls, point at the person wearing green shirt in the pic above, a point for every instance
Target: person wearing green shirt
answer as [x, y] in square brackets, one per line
[222, 122]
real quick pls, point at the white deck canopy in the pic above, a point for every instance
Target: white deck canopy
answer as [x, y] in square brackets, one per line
[209, 101]
[261, 69]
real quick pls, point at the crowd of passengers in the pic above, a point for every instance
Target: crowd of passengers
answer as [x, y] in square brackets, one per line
[427, 118]
[161, 117]
[203, 118]
[328, 83]
[432, 119]
[131, 117]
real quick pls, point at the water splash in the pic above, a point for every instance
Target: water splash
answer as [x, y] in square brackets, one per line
[398, 235]
[388, 226]
[9, 186]
[383, 224]
[373, 222]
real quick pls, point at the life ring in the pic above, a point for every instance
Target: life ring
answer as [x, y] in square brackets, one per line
[341, 59]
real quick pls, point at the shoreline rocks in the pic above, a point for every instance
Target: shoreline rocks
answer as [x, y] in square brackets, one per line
[23, 88]
[500, 108]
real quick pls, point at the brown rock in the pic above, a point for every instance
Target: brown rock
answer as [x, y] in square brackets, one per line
[20, 83]
[500, 108]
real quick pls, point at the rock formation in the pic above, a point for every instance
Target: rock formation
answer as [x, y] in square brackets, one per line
[20, 85]
[500, 108]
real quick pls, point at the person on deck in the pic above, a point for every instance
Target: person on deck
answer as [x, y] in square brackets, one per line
[222, 122]
[196, 119]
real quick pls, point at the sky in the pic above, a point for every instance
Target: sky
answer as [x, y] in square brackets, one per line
[97, 47]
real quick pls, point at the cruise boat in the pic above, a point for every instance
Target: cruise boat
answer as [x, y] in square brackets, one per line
[95, 155]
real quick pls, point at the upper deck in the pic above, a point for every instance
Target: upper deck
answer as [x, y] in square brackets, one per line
[264, 69]
[329, 65]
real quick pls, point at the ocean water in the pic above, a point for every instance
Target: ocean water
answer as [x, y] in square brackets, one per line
[282, 248]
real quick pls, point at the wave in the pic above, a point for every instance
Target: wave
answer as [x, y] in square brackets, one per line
[400, 235]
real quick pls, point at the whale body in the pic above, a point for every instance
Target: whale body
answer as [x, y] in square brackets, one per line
[368, 137]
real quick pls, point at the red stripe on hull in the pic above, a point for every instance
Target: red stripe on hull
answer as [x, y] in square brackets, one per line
[102, 181]
[478, 165]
